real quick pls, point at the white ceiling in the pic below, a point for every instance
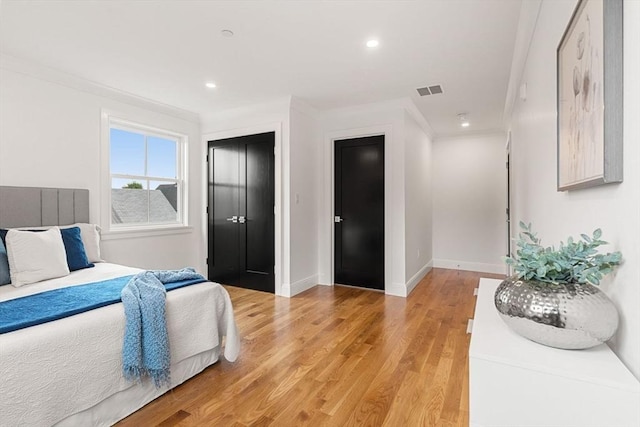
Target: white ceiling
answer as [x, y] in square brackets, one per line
[314, 50]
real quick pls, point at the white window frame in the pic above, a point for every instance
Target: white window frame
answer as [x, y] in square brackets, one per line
[110, 121]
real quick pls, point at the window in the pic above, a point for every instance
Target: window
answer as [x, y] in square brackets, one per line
[146, 176]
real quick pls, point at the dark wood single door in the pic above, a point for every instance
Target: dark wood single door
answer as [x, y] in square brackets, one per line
[359, 212]
[241, 187]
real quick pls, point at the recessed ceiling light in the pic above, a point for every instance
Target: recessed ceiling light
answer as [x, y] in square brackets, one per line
[463, 120]
[226, 33]
[210, 85]
[372, 43]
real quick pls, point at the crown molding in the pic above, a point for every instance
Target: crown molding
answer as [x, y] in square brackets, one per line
[371, 107]
[304, 108]
[422, 121]
[399, 104]
[277, 106]
[466, 134]
[527, 22]
[52, 75]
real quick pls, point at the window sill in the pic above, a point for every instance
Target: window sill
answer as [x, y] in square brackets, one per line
[133, 233]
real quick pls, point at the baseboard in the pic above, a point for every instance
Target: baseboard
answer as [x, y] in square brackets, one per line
[413, 282]
[470, 266]
[324, 280]
[292, 289]
[396, 289]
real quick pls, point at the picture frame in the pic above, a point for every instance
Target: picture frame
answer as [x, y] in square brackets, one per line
[589, 96]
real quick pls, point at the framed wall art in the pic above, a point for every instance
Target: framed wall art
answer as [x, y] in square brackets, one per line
[589, 73]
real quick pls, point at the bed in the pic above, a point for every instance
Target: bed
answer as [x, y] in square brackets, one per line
[68, 372]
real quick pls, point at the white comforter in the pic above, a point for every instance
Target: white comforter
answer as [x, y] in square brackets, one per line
[53, 370]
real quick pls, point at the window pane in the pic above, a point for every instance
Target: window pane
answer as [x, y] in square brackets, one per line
[137, 157]
[129, 201]
[163, 198]
[130, 184]
[127, 152]
[161, 157]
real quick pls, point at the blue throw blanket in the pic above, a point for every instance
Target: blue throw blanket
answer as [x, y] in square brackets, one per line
[31, 310]
[57, 304]
[146, 343]
[145, 349]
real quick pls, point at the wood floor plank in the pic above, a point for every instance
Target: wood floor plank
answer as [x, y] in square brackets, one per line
[407, 397]
[174, 419]
[373, 407]
[336, 356]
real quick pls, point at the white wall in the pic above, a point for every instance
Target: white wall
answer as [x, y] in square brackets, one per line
[615, 208]
[304, 161]
[304, 173]
[469, 202]
[254, 119]
[368, 120]
[418, 202]
[297, 175]
[50, 136]
[384, 118]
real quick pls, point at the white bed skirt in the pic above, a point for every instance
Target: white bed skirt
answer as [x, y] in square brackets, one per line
[124, 403]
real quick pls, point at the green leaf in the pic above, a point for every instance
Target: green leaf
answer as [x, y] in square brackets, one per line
[541, 271]
[573, 262]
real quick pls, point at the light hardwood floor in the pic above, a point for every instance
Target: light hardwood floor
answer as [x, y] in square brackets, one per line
[336, 356]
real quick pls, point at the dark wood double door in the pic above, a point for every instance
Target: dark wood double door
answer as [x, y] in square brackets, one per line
[241, 226]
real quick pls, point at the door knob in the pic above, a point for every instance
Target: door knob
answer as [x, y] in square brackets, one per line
[233, 219]
[242, 219]
[337, 218]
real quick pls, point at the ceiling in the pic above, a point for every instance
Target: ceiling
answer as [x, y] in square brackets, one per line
[315, 50]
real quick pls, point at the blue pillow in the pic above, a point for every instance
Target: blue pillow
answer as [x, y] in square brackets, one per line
[5, 277]
[71, 237]
[76, 255]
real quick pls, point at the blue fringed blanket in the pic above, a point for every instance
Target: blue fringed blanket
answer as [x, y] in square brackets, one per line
[57, 304]
[146, 343]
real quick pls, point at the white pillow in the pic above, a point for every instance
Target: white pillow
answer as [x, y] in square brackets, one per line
[89, 233]
[36, 256]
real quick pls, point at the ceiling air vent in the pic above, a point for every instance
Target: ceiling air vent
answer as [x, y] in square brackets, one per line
[429, 90]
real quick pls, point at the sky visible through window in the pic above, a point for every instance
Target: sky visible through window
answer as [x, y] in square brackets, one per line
[128, 157]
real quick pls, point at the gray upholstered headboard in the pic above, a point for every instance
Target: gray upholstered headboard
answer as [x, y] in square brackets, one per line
[35, 206]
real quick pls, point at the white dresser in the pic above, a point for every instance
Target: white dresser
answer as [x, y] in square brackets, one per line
[515, 382]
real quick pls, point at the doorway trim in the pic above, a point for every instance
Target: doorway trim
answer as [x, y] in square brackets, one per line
[509, 219]
[278, 214]
[327, 250]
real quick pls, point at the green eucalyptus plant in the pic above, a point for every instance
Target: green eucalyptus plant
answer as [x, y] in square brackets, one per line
[576, 262]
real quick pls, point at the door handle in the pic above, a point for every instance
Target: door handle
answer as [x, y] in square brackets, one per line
[233, 219]
[242, 219]
[337, 218]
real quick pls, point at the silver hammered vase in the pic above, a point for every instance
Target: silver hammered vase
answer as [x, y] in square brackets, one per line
[569, 316]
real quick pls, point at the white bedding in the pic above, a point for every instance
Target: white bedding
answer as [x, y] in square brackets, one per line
[51, 371]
